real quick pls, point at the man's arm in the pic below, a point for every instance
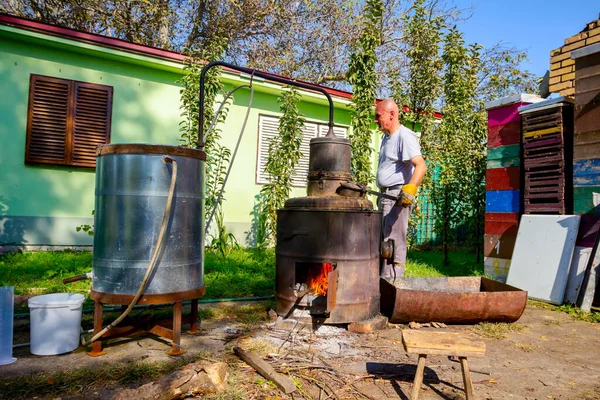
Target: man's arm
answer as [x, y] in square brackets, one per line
[420, 170]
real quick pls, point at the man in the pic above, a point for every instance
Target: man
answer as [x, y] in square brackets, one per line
[400, 170]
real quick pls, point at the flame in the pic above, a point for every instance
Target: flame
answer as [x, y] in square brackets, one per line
[318, 279]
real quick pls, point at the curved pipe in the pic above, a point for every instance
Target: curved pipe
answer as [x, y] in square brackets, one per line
[265, 76]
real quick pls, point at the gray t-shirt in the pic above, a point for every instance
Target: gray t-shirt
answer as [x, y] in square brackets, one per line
[395, 153]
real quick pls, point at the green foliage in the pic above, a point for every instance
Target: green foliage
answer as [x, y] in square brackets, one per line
[362, 77]
[284, 154]
[217, 156]
[424, 264]
[43, 272]
[89, 229]
[573, 311]
[422, 37]
[496, 330]
[223, 242]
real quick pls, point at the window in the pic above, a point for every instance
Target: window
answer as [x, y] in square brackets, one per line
[268, 128]
[66, 121]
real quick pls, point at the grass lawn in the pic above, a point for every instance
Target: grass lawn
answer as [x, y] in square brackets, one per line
[244, 273]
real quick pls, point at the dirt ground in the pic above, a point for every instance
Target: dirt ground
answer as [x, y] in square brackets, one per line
[552, 356]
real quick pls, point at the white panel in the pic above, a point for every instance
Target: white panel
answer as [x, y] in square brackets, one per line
[542, 255]
[581, 256]
[268, 129]
[309, 131]
[339, 131]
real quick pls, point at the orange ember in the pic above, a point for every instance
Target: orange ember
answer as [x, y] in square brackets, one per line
[317, 279]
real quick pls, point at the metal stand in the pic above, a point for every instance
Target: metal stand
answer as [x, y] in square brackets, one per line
[168, 329]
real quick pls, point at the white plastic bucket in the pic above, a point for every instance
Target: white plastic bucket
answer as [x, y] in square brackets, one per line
[55, 323]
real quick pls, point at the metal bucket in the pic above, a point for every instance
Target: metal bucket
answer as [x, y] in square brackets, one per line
[132, 186]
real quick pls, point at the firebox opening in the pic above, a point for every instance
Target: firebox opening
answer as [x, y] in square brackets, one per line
[312, 283]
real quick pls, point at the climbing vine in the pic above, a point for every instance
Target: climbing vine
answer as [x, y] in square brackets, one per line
[362, 77]
[284, 154]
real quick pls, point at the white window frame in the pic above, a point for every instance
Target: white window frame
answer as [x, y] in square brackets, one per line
[268, 128]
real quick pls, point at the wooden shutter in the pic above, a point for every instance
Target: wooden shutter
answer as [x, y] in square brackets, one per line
[47, 120]
[268, 129]
[66, 121]
[91, 122]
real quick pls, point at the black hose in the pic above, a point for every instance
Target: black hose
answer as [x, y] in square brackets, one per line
[263, 75]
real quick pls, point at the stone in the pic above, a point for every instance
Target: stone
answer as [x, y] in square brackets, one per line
[376, 323]
[272, 315]
[414, 325]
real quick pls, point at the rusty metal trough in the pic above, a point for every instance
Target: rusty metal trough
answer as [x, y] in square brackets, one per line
[451, 300]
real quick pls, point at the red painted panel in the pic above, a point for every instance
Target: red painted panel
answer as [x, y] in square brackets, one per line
[503, 179]
[499, 246]
[505, 114]
[588, 229]
[504, 135]
[501, 224]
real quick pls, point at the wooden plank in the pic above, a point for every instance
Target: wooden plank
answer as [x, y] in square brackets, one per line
[497, 268]
[503, 178]
[502, 152]
[501, 227]
[418, 377]
[546, 141]
[503, 201]
[586, 172]
[498, 246]
[505, 114]
[583, 199]
[442, 343]
[262, 367]
[542, 132]
[504, 163]
[588, 229]
[504, 135]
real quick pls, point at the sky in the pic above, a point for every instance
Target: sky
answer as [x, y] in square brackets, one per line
[537, 26]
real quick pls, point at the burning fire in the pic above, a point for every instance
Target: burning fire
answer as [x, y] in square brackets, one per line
[318, 279]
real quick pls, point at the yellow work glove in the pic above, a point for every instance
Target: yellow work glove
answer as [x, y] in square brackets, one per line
[409, 192]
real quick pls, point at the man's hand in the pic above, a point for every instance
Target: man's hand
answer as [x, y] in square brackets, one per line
[408, 195]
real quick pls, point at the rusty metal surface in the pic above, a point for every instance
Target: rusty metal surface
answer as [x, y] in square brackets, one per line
[349, 239]
[150, 149]
[451, 300]
[328, 203]
[328, 165]
[125, 299]
[332, 279]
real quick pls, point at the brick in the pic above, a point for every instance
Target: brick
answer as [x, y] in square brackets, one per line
[594, 32]
[561, 86]
[554, 80]
[556, 52]
[592, 25]
[574, 46]
[561, 71]
[591, 40]
[560, 57]
[573, 39]
[376, 323]
[566, 63]
[554, 66]
[567, 77]
[567, 92]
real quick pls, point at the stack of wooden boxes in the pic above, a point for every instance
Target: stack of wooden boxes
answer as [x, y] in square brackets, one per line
[547, 143]
[503, 182]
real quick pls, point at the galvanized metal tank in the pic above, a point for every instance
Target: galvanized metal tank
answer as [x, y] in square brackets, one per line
[132, 186]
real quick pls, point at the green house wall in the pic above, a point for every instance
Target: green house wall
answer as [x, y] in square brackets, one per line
[42, 205]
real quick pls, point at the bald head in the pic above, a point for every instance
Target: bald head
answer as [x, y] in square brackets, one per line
[386, 116]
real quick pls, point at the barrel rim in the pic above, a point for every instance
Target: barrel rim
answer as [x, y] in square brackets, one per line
[141, 148]
[336, 140]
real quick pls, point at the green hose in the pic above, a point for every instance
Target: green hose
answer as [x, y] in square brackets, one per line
[224, 300]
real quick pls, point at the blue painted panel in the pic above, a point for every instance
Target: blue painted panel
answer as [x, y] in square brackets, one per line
[586, 172]
[502, 201]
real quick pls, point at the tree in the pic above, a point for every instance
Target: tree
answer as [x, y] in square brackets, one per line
[362, 77]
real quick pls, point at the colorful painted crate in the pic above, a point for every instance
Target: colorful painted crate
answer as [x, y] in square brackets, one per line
[547, 143]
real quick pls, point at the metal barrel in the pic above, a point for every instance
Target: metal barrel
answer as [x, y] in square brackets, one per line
[132, 186]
